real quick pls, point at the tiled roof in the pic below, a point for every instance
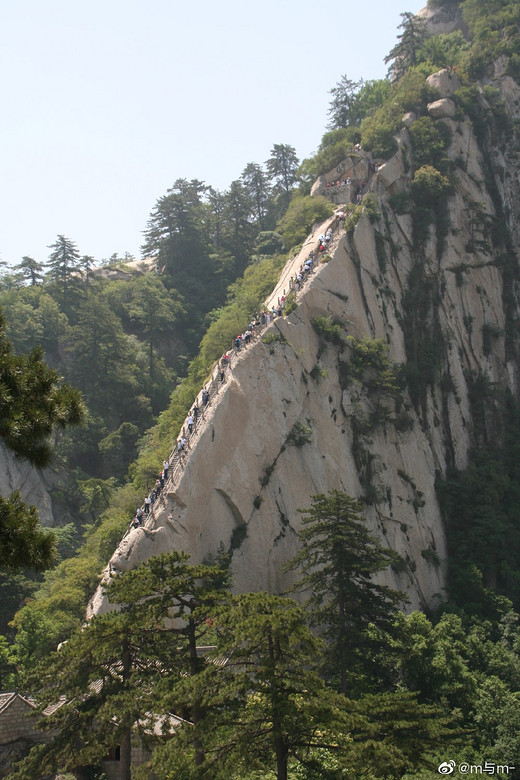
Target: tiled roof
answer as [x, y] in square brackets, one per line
[7, 698]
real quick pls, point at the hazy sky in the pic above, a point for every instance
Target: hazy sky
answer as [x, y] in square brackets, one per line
[106, 103]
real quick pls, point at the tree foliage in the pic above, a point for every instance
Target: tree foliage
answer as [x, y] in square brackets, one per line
[405, 53]
[23, 541]
[494, 27]
[338, 559]
[480, 504]
[63, 264]
[257, 187]
[33, 402]
[108, 674]
[282, 165]
[30, 270]
[352, 101]
[341, 107]
[430, 140]
[302, 214]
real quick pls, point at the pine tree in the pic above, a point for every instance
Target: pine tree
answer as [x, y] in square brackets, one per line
[341, 106]
[257, 186]
[33, 402]
[153, 308]
[30, 270]
[405, 53]
[176, 215]
[110, 674]
[23, 542]
[101, 364]
[337, 560]
[215, 219]
[265, 706]
[282, 166]
[239, 229]
[86, 265]
[63, 261]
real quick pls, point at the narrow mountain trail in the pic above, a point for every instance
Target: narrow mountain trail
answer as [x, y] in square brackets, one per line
[216, 388]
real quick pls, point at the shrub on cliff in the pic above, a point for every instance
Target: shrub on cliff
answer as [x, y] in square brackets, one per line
[430, 140]
[429, 186]
[301, 215]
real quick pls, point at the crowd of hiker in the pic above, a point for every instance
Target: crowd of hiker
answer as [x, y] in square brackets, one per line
[354, 194]
[175, 462]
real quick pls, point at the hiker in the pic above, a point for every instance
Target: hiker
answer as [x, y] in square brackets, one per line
[190, 423]
[165, 466]
[147, 505]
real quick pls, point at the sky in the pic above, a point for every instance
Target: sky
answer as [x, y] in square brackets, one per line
[105, 104]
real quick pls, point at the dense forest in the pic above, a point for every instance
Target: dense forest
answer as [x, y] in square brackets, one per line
[347, 684]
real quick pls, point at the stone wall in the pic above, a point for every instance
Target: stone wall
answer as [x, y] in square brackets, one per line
[18, 732]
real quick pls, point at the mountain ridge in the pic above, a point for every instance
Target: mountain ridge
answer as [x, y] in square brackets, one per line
[300, 378]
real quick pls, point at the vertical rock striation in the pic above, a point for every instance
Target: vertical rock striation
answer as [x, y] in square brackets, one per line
[298, 415]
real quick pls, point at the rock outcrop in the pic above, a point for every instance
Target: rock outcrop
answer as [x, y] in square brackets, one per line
[248, 473]
[35, 485]
[442, 20]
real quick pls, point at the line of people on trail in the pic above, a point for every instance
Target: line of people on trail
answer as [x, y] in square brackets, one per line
[340, 183]
[356, 193]
[257, 324]
[151, 497]
[307, 267]
[243, 339]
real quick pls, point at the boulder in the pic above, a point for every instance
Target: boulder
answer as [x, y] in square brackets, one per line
[442, 109]
[391, 171]
[444, 81]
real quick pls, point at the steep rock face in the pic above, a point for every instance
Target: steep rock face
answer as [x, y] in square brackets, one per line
[442, 20]
[34, 485]
[446, 309]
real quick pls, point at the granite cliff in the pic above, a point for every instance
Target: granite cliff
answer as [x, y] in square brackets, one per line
[301, 413]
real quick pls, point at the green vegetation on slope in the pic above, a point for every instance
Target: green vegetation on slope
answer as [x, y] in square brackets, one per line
[464, 662]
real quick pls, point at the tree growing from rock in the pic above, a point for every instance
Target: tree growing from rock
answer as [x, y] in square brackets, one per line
[405, 53]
